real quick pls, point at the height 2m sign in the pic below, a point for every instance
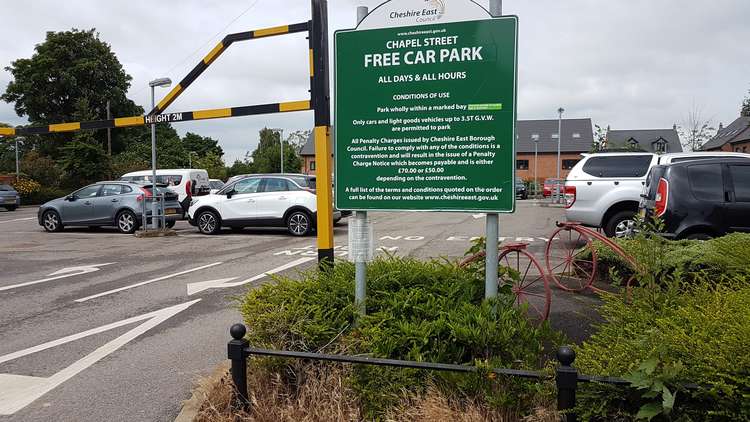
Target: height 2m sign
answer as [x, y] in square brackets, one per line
[425, 106]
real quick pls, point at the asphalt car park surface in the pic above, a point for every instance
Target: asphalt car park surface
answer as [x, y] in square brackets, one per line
[97, 325]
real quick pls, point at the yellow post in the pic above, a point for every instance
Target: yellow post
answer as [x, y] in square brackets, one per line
[324, 184]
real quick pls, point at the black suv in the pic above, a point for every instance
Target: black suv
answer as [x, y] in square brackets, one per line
[700, 199]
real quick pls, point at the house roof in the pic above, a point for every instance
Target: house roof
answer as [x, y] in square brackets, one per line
[309, 148]
[646, 138]
[739, 130]
[578, 135]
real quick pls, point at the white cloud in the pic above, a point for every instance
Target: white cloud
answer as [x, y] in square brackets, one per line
[627, 63]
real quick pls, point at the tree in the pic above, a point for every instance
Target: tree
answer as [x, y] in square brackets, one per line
[202, 145]
[213, 164]
[41, 169]
[266, 157]
[84, 160]
[298, 139]
[240, 167]
[171, 152]
[600, 139]
[696, 130]
[67, 67]
[745, 109]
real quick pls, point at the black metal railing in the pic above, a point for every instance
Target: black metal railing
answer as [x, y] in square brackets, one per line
[566, 376]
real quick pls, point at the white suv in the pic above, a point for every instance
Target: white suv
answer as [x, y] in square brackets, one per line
[604, 190]
[258, 201]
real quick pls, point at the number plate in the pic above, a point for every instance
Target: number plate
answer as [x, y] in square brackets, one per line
[170, 211]
[10, 201]
[642, 213]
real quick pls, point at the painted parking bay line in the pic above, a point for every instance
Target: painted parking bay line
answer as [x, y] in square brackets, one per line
[194, 288]
[18, 219]
[143, 283]
[18, 391]
[57, 275]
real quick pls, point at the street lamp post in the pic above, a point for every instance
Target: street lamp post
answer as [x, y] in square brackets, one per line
[560, 112]
[536, 161]
[281, 144]
[18, 165]
[163, 82]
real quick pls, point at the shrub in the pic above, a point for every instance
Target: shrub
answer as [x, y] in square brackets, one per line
[697, 332]
[425, 311]
[26, 187]
[718, 258]
[44, 194]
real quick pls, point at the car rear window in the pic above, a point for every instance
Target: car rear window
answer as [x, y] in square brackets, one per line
[706, 182]
[618, 166]
[741, 182]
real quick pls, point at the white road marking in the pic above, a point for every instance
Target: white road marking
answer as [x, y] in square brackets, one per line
[18, 219]
[194, 288]
[143, 283]
[57, 275]
[19, 391]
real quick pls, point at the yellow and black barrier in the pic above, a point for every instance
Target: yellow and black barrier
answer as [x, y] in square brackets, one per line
[181, 116]
[216, 52]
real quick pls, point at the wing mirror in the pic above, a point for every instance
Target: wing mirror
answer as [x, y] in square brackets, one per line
[230, 193]
[71, 198]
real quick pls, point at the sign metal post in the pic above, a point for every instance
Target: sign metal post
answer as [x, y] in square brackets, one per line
[425, 113]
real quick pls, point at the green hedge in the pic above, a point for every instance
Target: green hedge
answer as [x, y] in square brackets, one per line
[42, 196]
[697, 333]
[425, 311]
[720, 257]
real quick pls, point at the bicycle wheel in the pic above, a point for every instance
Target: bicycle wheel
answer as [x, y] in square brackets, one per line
[571, 259]
[530, 285]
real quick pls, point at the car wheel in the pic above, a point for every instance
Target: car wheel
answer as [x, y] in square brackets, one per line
[699, 236]
[51, 221]
[620, 225]
[208, 222]
[126, 222]
[170, 223]
[299, 223]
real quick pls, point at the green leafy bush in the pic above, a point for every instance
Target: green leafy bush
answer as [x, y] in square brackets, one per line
[425, 311]
[44, 194]
[720, 257]
[697, 332]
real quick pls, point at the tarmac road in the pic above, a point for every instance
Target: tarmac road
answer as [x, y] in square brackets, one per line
[96, 325]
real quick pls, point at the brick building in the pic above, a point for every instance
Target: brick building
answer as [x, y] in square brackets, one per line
[577, 138]
[733, 138]
[541, 135]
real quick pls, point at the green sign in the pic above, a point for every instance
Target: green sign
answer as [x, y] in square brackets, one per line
[425, 117]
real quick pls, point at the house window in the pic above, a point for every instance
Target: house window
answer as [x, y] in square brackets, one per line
[522, 164]
[661, 146]
[569, 164]
[312, 165]
[555, 136]
[576, 135]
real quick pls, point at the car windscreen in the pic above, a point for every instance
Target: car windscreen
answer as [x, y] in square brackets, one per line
[304, 182]
[652, 181]
[618, 166]
[6, 188]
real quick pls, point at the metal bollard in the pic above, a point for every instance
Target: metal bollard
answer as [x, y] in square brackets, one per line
[566, 378]
[236, 353]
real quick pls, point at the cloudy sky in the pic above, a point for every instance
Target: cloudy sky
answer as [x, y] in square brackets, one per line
[625, 63]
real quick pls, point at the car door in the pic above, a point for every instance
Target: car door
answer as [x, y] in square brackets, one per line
[106, 203]
[738, 208]
[80, 208]
[240, 203]
[275, 198]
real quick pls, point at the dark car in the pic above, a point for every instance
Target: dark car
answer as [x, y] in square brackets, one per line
[521, 191]
[699, 199]
[9, 198]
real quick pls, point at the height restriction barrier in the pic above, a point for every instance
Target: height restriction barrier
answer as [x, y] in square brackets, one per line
[317, 29]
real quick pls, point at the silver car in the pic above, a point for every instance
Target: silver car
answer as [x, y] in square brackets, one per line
[117, 204]
[9, 198]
